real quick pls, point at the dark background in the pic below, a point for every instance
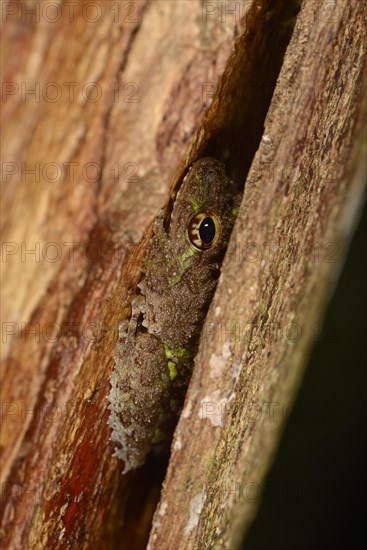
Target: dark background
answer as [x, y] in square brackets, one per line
[314, 495]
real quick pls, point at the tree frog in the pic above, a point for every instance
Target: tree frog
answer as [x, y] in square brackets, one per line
[156, 348]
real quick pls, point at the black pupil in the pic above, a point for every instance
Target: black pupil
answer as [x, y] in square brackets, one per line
[207, 230]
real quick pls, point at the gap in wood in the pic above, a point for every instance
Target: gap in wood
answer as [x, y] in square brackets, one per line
[233, 131]
[235, 123]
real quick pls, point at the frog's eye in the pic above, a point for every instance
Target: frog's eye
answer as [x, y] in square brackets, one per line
[204, 230]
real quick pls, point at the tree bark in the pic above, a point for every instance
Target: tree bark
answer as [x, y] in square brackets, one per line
[301, 202]
[103, 110]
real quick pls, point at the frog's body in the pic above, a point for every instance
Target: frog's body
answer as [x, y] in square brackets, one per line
[156, 348]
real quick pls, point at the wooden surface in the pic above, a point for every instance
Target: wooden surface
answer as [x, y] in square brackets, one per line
[300, 204]
[151, 65]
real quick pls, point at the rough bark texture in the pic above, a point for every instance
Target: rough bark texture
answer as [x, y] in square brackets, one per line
[85, 169]
[299, 207]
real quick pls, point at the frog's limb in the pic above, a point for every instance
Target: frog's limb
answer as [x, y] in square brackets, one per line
[138, 397]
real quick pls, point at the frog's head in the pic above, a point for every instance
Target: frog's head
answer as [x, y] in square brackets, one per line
[202, 216]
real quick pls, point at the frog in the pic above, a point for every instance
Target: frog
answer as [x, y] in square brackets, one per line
[156, 346]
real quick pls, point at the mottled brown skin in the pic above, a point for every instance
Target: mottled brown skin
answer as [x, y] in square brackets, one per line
[156, 348]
